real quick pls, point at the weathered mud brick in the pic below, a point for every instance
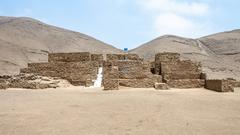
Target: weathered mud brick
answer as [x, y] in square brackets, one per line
[186, 83]
[98, 58]
[167, 57]
[75, 72]
[111, 84]
[69, 57]
[137, 83]
[180, 66]
[161, 86]
[219, 85]
[3, 85]
[181, 75]
[157, 78]
[120, 57]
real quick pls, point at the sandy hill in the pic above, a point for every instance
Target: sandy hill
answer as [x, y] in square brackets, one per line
[24, 40]
[219, 53]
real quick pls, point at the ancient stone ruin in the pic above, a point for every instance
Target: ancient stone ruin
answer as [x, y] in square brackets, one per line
[121, 70]
[128, 70]
[178, 73]
[80, 69]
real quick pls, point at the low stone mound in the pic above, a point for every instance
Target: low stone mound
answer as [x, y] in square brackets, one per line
[28, 81]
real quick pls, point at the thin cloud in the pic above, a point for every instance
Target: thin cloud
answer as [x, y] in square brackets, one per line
[187, 8]
[170, 23]
[177, 18]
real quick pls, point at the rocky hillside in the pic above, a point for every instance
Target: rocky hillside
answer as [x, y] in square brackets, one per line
[24, 40]
[219, 53]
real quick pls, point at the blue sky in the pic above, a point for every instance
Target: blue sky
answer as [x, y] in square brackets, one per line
[130, 23]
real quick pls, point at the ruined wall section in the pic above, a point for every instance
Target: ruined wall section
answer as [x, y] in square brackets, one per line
[178, 73]
[75, 57]
[117, 57]
[164, 57]
[132, 71]
[77, 73]
[110, 76]
[69, 57]
[180, 70]
[79, 69]
[220, 85]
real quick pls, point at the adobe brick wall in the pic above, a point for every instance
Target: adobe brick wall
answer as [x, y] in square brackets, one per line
[161, 86]
[236, 84]
[137, 83]
[69, 57]
[219, 85]
[178, 73]
[147, 82]
[132, 71]
[111, 84]
[186, 83]
[3, 84]
[185, 66]
[167, 57]
[164, 57]
[110, 76]
[117, 57]
[97, 57]
[77, 73]
[120, 69]
[181, 75]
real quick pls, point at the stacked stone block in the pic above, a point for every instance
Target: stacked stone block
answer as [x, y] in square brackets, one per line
[79, 69]
[117, 57]
[27, 81]
[77, 73]
[3, 84]
[132, 71]
[98, 58]
[186, 83]
[69, 57]
[220, 85]
[110, 76]
[161, 86]
[178, 73]
[164, 57]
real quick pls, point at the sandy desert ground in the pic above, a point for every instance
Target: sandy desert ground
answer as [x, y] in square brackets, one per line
[79, 111]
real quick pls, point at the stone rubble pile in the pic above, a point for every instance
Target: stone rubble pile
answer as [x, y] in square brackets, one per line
[28, 81]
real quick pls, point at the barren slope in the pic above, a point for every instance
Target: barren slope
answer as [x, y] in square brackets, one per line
[24, 40]
[218, 53]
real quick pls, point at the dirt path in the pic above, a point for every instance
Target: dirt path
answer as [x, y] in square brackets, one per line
[128, 112]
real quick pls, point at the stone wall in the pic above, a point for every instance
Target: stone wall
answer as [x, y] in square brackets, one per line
[69, 57]
[167, 57]
[132, 71]
[75, 57]
[186, 83]
[78, 68]
[110, 76]
[98, 58]
[184, 66]
[77, 73]
[137, 83]
[178, 73]
[27, 81]
[164, 57]
[3, 83]
[219, 85]
[117, 57]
